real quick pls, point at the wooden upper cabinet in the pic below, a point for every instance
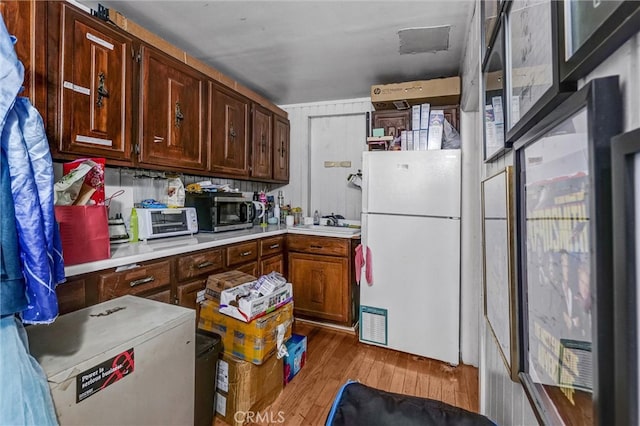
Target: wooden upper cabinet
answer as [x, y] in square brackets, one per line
[281, 149]
[229, 132]
[393, 121]
[173, 113]
[26, 20]
[262, 143]
[95, 85]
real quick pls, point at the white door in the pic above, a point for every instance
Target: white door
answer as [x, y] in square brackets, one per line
[425, 183]
[415, 263]
[336, 149]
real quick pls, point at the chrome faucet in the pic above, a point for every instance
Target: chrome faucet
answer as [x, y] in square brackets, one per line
[332, 219]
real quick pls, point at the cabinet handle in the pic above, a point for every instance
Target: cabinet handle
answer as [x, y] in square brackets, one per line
[282, 150]
[179, 115]
[274, 246]
[204, 264]
[246, 253]
[102, 91]
[263, 143]
[232, 131]
[141, 281]
[316, 247]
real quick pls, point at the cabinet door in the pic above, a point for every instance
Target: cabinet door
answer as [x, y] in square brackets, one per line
[271, 264]
[186, 293]
[71, 295]
[173, 113]
[229, 135]
[393, 122]
[281, 150]
[162, 296]
[249, 268]
[95, 85]
[320, 286]
[261, 146]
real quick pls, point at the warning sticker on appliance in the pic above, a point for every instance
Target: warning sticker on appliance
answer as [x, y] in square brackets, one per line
[104, 374]
[373, 325]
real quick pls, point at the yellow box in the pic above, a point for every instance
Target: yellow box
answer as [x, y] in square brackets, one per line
[437, 92]
[255, 341]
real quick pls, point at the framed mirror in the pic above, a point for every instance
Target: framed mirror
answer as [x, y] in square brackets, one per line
[499, 265]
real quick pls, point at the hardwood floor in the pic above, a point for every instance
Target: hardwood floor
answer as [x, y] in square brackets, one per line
[333, 357]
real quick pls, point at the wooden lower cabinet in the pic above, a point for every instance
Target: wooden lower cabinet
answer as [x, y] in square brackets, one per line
[162, 296]
[272, 264]
[319, 286]
[249, 268]
[71, 295]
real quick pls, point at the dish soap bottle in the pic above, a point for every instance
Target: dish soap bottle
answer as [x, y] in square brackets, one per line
[133, 224]
[316, 218]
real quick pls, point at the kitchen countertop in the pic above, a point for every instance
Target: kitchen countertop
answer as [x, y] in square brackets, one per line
[130, 253]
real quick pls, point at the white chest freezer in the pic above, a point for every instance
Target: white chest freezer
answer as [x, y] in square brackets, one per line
[127, 361]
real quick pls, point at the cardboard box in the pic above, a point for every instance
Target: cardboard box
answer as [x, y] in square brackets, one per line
[236, 302]
[424, 116]
[244, 387]
[436, 129]
[437, 92]
[254, 342]
[297, 349]
[219, 282]
[416, 111]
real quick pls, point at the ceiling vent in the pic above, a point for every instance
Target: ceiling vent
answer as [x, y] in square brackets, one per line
[424, 40]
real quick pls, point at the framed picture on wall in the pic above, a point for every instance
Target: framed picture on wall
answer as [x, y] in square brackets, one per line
[533, 70]
[564, 227]
[499, 267]
[625, 174]
[590, 31]
[494, 107]
[490, 12]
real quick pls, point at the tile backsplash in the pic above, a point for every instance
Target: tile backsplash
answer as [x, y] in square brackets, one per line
[140, 184]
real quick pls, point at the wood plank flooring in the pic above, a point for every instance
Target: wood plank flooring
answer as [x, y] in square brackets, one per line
[333, 357]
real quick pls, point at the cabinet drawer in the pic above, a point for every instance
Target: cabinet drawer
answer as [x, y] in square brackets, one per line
[134, 281]
[200, 263]
[318, 245]
[272, 245]
[242, 253]
[71, 296]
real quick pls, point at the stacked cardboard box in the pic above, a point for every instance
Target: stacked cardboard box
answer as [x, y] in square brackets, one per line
[245, 388]
[249, 372]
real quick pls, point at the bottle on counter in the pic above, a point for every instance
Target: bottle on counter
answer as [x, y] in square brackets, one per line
[133, 225]
[316, 218]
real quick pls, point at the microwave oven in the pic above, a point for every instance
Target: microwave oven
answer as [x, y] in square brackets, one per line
[220, 211]
[157, 223]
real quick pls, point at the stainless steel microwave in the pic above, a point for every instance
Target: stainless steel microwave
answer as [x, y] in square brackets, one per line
[221, 211]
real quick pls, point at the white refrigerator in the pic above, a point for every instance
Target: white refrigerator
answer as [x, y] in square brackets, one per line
[411, 242]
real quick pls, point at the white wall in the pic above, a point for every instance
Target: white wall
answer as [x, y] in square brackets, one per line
[297, 191]
[501, 399]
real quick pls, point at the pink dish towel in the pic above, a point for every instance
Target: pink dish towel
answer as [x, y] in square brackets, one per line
[359, 260]
[369, 267]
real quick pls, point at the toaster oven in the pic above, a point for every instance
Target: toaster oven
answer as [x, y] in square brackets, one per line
[157, 223]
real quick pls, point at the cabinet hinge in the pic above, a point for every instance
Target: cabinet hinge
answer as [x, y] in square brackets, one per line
[137, 56]
[136, 148]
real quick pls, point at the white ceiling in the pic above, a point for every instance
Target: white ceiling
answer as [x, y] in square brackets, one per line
[305, 50]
